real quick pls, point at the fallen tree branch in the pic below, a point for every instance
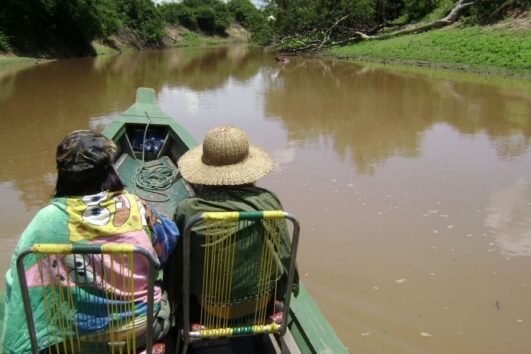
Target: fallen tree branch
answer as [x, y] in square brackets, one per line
[356, 35]
[458, 9]
[328, 32]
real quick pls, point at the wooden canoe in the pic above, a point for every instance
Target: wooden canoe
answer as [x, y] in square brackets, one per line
[309, 331]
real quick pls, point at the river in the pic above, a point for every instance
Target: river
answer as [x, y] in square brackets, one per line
[413, 187]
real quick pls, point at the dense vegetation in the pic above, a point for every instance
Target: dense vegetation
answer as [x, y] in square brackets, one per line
[67, 27]
[298, 22]
[4, 43]
[208, 16]
[212, 16]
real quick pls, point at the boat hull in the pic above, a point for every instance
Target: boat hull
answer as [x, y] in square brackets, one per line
[309, 329]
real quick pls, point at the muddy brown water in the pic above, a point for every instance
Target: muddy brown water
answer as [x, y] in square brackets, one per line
[413, 189]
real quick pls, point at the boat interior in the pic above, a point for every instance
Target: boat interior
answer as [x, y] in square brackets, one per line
[146, 161]
[149, 169]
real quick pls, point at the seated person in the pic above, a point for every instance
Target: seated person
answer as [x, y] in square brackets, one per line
[223, 171]
[89, 206]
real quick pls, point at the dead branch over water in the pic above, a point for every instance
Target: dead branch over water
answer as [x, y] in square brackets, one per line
[327, 40]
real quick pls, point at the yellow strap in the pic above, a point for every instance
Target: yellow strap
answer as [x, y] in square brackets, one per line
[52, 248]
[234, 215]
[270, 328]
[273, 214]
[227, 332]
[221, 215]
[111, 248]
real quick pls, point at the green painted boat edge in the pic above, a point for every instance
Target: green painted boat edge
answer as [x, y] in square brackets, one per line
[310, 329]
[145, 110]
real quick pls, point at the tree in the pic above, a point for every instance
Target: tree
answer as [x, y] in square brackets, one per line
[4, 43]
[209, 16]
[57, 25]
[417, 9]
[488, 11]
[243, 11]
[143, 17]
[178, 14]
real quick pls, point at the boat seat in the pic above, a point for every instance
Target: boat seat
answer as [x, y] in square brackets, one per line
[236, 275]
[127, 168]
[92, 307]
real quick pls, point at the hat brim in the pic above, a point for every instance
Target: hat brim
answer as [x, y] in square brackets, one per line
[193, 170]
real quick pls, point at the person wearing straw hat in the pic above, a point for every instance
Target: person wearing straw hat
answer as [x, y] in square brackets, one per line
[223, 171]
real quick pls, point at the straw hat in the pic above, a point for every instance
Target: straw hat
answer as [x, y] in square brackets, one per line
[224, 159]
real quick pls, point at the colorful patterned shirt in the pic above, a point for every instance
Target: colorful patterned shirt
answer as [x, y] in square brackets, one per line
[106, 217]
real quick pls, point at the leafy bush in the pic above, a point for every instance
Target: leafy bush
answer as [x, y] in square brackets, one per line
[4, 43]
[143, 17]
[178, 14]
[209, 16]
[54, 24]
[417, 9]
[253, 19]
[243, 11]
[488, 11]
[66, 27]
[206, 18]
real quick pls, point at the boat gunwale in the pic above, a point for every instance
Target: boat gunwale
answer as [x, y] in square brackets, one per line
[309, 327]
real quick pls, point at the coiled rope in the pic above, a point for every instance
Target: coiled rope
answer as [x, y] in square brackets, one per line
[153, 178]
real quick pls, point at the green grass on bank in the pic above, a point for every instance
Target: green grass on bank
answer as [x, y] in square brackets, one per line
[194, 39]
[189, 39]
[12, 61]
[482, 48]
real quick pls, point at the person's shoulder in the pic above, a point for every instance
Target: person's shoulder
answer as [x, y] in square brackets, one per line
[132, 198]
[51, 210]
[124, 193]
[188, 201]
[263, 192]
[266, 196]
[187, 204]
[47, 217]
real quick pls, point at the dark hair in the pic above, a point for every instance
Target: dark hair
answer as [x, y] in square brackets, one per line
[101, 178]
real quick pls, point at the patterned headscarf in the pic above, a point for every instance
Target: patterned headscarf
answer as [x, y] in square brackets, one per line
[83, 150]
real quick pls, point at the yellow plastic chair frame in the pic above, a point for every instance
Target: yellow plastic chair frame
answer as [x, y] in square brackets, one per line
[119, 337]
[220, 230]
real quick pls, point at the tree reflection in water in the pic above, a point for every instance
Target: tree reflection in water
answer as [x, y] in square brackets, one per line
[370, 115]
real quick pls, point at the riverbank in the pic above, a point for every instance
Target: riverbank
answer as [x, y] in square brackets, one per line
[174, 36]
[500, 49]
[126, 40]
[10, 62]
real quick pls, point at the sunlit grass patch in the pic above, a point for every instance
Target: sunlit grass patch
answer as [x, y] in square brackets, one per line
[12, 60]
[190, 39]
[477, 47]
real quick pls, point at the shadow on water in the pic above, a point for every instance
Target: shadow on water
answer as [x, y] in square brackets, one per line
[369, 115]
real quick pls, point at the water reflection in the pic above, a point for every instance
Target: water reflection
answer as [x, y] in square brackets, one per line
[370, 115]
[339, 134]
[40, 105]
[509, 218]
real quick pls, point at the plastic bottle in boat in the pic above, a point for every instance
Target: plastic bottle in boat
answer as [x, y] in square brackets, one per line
[136, 140]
